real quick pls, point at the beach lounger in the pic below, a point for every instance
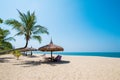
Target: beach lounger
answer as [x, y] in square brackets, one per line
[58, 58]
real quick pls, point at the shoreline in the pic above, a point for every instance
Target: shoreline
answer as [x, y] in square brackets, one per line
[96, 54]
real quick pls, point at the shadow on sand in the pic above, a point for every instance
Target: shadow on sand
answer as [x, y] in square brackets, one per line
[59, 62]
[5, 59]
[55, 63]
[33, 56]
[28, 63]
[37, 63]
[30, 56]
[32, 63]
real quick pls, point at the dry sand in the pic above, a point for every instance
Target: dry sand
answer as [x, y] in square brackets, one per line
[71, 68]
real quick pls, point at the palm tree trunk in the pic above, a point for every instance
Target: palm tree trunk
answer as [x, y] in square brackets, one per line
[7, 51]
[26, 43]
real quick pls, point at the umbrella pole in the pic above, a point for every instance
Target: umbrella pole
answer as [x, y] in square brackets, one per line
[51, 55]
[31, 53]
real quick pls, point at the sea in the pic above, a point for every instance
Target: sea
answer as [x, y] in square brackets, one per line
[101, 54]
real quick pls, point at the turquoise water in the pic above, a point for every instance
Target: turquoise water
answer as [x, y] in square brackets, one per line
[102, 54]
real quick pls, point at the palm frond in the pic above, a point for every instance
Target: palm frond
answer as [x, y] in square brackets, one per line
[6, 32]
[3, 34]
[31, 20]
[7, 45]
[22, 17]
[19, 33]
[28, 14]
[38, 29]
[9, 39]
[1, 21]
[14, 23]
[37, 38]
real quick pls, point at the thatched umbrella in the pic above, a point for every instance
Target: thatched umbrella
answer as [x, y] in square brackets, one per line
[28, 49]
[50, 48]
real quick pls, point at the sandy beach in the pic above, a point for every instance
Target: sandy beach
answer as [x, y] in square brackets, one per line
[70, 68]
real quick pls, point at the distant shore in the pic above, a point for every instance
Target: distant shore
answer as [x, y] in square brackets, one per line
[70, 68]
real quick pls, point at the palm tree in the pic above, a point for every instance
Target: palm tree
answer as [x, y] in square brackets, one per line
[27, 27]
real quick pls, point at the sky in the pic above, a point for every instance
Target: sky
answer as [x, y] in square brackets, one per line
[76, 25]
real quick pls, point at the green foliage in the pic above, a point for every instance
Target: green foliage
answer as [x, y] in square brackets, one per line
[1, 21]
[16, 53]
[4, 39]
[4, 44]
[27, 26]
